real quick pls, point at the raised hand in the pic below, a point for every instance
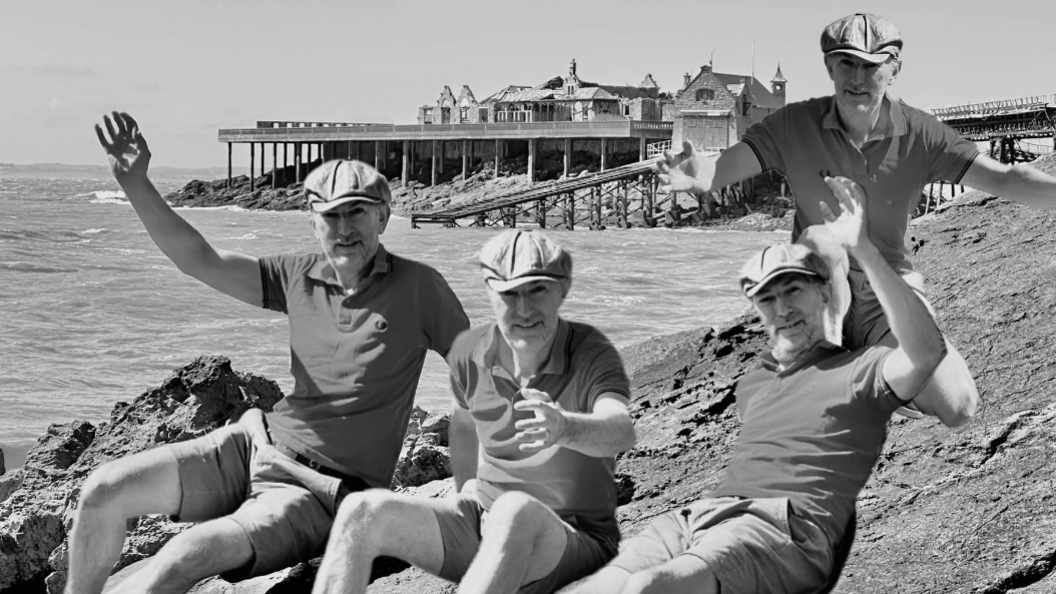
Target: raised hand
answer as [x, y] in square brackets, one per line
[126, 149]
[849, 228]
[688, 171]
[546, 429]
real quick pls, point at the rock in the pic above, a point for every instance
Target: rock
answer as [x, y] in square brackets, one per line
[35, 516]
[3, 468]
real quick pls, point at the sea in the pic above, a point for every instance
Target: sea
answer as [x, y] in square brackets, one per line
[92, 313]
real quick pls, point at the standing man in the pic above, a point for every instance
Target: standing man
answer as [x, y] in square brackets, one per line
[888, 147]
[541, 412]
[814, 423]
[265, 489]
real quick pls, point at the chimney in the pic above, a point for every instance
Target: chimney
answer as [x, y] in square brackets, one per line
[685, 80]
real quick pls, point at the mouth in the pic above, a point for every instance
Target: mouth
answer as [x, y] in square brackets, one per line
[790, 326]
[347, 244]
[527, 325]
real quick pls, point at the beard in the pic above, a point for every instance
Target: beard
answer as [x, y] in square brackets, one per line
[787, 348]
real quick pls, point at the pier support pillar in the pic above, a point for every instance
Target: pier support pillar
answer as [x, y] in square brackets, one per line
[604, 150]
[412, 159]
[540, 213]
[285, 160]
[641, 149]
[498, 155]
[568, 156]
[624, 219]
[229, 164]
[262, 159]
[274, 165]
[433, 182]
[297, 162]
[648, 191]
[472, 151]
[570, 212]
[531, 160]
[465, 159]
[252, 165]
[443, 153]
[377, 154]
[405, 159]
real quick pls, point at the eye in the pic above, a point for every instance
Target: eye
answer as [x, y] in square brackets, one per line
[539, 289]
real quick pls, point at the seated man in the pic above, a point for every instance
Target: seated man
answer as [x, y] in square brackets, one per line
[814, 423]
[541, 403]
[265, 489]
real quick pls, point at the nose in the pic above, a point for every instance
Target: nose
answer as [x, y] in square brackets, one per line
[523, 306]
[858, 74]
[781, 307]
[344, 224]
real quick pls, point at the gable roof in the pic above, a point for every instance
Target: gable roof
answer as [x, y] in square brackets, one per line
[761, 96]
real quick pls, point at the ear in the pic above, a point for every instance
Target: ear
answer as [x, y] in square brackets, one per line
[384, 212]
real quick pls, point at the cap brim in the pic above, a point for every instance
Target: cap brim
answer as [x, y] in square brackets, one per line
[505, 285]
[874, 58]
[320, 206]
[752, 290]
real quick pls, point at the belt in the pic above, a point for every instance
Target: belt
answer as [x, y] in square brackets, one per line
[350, 482]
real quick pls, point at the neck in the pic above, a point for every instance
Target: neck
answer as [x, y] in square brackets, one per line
[860, 126]
[523, 364]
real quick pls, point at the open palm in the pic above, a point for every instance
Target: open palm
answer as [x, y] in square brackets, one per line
[126, 149]
[849, 227]
[682, 172]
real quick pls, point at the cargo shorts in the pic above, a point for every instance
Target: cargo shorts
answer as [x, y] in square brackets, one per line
[462, 520]
[285, 508]
[749, 545]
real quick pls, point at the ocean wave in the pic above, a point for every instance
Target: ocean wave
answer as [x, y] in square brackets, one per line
[105, 197]
[28, 267]
[59, 236]
[232, 208]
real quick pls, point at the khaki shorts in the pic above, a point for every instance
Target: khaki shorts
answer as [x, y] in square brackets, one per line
[750, 545]
[462, 519]
[285, 507]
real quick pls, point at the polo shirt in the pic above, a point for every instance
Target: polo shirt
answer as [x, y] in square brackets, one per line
[803, 139]
[582, 366]
[812, 432]
[356, 359]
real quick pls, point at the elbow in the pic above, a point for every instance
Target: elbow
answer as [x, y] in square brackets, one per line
[629, 437]
[962, 412]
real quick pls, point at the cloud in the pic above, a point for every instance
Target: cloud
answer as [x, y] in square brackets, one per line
[52, 70]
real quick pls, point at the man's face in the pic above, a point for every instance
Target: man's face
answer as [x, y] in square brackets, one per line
[859, 84]
[527, 315]
[793, 312]
[349, 233]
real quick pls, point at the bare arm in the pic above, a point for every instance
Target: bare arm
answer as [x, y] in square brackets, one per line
[1020, 183]
[921, 346]
[604, 432]
[462, 435]
[232, 273]
[690, 171]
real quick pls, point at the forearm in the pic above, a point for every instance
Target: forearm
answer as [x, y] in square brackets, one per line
[598, 434]
[1029, 186]
[176, 238]
[910, 321]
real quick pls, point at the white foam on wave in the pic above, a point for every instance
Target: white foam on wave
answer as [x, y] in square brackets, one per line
[94, 231]
[105, 197]
[231, 208]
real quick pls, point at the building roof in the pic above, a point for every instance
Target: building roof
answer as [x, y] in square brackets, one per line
[761, 96]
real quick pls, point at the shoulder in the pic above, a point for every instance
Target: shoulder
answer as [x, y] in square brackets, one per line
[466, 342]
[292, 264]
[586, 340]
[414, 271]
[919, 121]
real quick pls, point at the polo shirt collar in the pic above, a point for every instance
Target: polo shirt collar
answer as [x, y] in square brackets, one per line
[896, 124]
[816, 354]
[486, 353]
[324, 273]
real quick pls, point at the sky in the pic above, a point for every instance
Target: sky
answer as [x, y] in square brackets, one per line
[186, 68]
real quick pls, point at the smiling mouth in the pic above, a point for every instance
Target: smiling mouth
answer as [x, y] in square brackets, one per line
[527, 326]
[790, 326]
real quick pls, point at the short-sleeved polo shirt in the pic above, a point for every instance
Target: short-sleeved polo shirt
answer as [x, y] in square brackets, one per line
[356, 359]
[812, 432]
[804, 139]
[583, 365]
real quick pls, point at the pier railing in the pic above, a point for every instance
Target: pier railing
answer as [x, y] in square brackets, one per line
[510, 130]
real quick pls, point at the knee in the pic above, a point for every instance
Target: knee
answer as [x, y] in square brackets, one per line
[103, 487]
[366, 508]
[518, 511]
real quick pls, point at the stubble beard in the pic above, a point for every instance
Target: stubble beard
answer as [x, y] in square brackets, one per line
[787, 350]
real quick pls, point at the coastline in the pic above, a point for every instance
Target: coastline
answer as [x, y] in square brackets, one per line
[952, 511]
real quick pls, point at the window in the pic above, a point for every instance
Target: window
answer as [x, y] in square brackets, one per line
[705, 94]
[445, 115]
[463, 114]
[483, 113]
[627, 110]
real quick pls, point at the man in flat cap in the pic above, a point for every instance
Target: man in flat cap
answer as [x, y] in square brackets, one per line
[814, 420]
[540, 414]
[888, 147]
[265, 489]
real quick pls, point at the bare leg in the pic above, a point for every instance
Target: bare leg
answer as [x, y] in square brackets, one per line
[145, 483]
[523, 541]
[682, 575]
[609, 580]
[374, 523]
[205, 550]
